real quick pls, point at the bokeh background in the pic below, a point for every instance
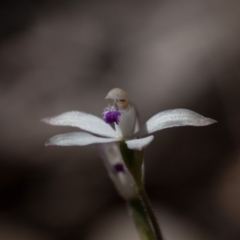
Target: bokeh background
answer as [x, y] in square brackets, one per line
[57, 56]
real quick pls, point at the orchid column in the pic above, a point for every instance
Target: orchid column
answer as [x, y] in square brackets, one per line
[121, 144]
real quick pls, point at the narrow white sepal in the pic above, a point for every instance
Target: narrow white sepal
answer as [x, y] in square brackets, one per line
[77, 139]
[84, 121]
[139, 144]
[173, 118]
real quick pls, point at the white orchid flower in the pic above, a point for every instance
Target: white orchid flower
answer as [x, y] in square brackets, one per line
[120, 123]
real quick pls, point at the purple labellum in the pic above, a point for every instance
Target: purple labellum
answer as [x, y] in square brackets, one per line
[111, 116]
[119, 167]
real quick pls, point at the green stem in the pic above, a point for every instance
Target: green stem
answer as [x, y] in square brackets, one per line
[140, 207]
[141, 219]
[142, 194]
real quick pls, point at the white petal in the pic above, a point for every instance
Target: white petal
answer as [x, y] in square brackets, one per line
[174, 118]
[137, 125]
[127, 122]
[110, 153]
[118, 129]
[123, 181]
[125, 184]
[140, 143]
[77, 139]
[83, 121]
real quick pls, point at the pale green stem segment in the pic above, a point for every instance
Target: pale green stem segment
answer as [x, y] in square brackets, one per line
[152, 218]
[140, 207]
[140, 218]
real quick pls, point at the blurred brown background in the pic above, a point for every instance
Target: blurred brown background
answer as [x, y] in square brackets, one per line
[57, 56]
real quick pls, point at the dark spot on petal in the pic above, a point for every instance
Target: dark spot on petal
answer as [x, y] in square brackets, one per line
[119, 167]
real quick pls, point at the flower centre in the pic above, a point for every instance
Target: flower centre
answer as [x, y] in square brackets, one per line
[111, 115]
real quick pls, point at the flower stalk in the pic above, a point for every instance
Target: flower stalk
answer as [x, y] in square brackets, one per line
[150, 214]
[140, 218]
[140, 207]
[133, 161]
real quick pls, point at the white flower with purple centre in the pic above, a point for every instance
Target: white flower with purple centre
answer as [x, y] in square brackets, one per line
[119, 123]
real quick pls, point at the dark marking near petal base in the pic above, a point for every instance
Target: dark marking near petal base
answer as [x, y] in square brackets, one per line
[119, 167]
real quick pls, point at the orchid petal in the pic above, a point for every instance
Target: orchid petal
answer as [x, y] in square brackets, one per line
[77, 139]
[110, 153]
[140, 143]
[123, 180]
[128, 121]
[174, 118]
[84, 121]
